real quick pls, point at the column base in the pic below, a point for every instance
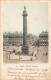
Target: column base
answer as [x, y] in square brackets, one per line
[25, 49]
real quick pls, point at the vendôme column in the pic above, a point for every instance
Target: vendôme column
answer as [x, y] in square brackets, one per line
[25, 46]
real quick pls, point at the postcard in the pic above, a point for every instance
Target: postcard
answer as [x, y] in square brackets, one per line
[25, 29]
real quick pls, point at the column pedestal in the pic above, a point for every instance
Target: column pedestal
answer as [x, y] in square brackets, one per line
[25, 49]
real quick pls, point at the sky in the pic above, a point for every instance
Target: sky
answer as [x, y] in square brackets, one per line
[37, 19]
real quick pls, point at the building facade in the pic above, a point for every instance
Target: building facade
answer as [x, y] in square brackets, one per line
[43, 38]
[15, 39]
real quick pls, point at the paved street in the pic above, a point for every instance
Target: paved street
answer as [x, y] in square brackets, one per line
[40, 54]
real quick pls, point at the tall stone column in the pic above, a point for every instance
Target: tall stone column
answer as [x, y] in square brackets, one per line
[25, 46]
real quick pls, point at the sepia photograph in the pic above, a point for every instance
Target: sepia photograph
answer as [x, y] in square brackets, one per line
[25, 32]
